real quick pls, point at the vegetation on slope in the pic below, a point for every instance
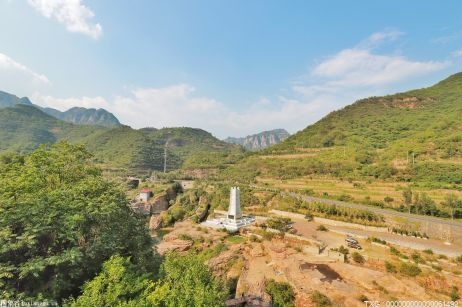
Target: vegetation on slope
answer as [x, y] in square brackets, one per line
[24, 127]
[60, 220]
[412, 137]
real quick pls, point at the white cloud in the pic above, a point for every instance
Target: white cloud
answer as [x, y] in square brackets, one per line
[72, 13]
[19, 79]
[180, 106]
[457, 53]
[361, 69]
[338, 80]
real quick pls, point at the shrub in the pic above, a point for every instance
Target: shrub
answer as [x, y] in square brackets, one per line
[377, 240]
[358, 258]
[322, 228]
[454, 294]
[390, 267]
[320, 300]
[363, 298]
[281, 293]
[409, 269]
[428, 251]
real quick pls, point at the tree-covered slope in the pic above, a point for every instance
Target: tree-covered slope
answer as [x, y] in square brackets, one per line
[24, 127]
[75, 115]
[412, 136]
[415, 117]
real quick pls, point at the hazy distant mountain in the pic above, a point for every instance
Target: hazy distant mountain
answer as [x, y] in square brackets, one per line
[84, 116]
[9, 100]
[76, 115]
[261, 140]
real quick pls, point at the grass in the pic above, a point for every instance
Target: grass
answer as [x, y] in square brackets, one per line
[235, 239]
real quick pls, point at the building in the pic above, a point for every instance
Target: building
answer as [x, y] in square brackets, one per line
[145, 194]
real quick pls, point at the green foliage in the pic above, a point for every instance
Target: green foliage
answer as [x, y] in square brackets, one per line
[280, 223]
[346, 214]
[409, 269]
[363, 298]
[60, 220]
[118, 284]
[418, 130]
[320, 299]
[282, 293]
[390, 267]
[187, 281]
[322, 228]
[358, 258]
[454, 294]
[235, 239]
[377, 240]
[24, 127]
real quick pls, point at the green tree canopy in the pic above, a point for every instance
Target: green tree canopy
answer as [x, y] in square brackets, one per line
[187, 281]
[119, 284]
[59, 221]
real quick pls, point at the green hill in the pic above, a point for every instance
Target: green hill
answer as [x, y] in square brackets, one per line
[414, 136]
[24, 127]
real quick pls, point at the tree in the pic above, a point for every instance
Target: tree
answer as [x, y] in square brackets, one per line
[59, 221]
[407, 196]
[451, 201]
[282, 293]
[186, 281]
[118, 284]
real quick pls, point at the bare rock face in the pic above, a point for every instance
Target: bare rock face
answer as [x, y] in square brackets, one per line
[174, 245]
[155, 222]
[261, 140]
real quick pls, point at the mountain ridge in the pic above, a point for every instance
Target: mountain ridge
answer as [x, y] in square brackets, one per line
[260, 140]
[75, 115]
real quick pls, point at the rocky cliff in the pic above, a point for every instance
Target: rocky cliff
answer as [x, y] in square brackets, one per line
[261, 140]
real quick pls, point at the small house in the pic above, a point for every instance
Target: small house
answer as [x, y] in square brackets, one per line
[145, 194]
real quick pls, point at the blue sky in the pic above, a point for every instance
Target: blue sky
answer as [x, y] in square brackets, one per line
[230, 67]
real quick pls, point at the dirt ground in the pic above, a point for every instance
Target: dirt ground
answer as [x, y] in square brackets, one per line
[300, 264]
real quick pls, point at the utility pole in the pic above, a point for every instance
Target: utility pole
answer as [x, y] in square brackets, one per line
[165, 158]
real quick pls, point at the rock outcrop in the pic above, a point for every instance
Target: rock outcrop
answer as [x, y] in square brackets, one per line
[261, 140]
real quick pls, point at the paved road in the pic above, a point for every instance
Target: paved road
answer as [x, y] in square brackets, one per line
[387, 212]
[455, 225]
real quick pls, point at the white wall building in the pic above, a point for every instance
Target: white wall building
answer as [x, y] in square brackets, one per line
[145, 195]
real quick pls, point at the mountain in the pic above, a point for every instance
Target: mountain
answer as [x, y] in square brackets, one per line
[261, 140]
[415, 136]
[24, 127]
[76, 115]
[84, 116]
[9, 100]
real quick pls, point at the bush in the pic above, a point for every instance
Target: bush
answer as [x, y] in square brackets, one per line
[281, 293]
[358, 258]
[322, 228]
[363, 298]
[409, 269]
[320, 300]
[390, 267]
[454, 294]
[377, 240]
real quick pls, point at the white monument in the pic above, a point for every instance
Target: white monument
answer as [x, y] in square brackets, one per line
[234, 210]
[234, 219]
